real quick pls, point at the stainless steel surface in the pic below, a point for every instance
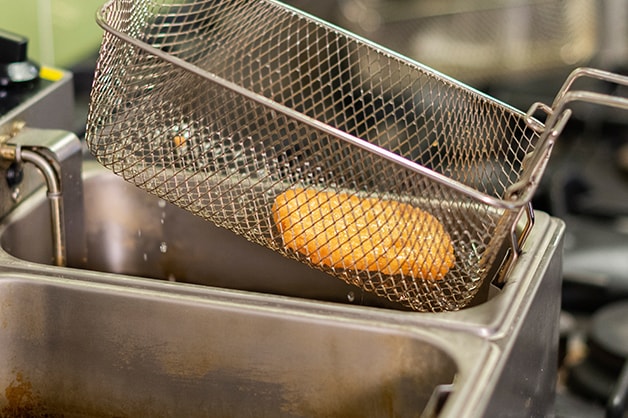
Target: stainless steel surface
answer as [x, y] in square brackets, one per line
[100, 337]
[103, 317]
[209, 108]
[51, 107]
[132, 232]
[129, 231]
[71, 347]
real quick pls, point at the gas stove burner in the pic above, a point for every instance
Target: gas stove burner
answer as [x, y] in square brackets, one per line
[602, 375]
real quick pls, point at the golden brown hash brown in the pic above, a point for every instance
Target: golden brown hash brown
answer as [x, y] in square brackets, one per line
[348, 232]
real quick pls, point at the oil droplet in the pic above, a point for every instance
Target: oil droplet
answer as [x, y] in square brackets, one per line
[139, 233]
[15, 194]
[163, 247]
[351, 296]
[145, 257]
[161, 203]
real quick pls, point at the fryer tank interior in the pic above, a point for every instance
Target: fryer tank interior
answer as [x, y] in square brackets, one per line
[242, 320]
[71, 348]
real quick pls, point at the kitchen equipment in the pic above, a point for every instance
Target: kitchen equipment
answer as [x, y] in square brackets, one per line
[45, 102]
[197, 345]
[34, 97]
[139, 234]
[182, 349]
[481, 41]
[79, 347]
[219, 107]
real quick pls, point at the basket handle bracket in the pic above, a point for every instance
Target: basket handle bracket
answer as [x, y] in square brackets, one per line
[557, 117]
[517, 239]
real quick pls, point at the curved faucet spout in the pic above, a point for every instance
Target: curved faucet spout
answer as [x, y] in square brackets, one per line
[51, 173]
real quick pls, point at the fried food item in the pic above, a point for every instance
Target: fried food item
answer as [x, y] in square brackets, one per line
[348, 232]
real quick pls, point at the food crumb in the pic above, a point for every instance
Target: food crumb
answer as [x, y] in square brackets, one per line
[179, 141]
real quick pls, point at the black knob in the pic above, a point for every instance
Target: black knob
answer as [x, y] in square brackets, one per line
[13, 48]
[14, 174]
[14, 65]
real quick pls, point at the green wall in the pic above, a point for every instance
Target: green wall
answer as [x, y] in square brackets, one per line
[61, 32]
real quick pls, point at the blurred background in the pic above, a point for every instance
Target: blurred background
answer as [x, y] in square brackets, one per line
[61, 32]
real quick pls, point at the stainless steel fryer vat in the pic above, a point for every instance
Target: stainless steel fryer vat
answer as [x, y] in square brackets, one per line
[131, 232]
[102, 344]
[71, 323]
[77, 348]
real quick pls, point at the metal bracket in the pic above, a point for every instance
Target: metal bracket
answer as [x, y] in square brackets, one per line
[557, 116]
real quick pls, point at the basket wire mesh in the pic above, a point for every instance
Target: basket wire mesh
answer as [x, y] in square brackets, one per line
[221, 106]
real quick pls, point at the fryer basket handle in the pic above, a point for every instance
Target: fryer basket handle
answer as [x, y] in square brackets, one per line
[557, 116]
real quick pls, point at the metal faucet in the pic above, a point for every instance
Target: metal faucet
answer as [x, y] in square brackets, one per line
[48, 151]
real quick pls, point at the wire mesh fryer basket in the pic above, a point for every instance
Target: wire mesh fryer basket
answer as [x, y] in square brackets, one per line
[222, 106]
